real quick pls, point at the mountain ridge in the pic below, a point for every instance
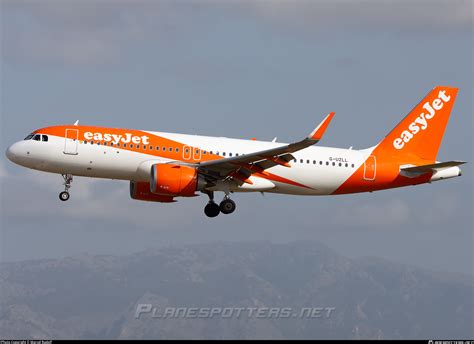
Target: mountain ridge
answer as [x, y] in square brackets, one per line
[96, 296]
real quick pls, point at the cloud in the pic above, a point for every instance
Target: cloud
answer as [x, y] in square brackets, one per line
[418, 15]
[3, 171]
[95, 200]
[442, 207]
[102, 32]
[74, 32]
[392, 213]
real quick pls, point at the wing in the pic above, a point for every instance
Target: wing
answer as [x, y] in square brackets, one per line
[243, 166]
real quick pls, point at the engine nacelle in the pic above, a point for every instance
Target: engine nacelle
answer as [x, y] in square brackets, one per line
[175, 180]
[141, 191]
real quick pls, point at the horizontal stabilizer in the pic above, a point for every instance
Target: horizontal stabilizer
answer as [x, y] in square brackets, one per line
[432, 167]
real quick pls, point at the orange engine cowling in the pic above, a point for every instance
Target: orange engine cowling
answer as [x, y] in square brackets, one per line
[141, 191]
[175, 180]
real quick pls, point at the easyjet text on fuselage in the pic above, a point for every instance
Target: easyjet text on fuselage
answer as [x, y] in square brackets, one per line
[117, 138]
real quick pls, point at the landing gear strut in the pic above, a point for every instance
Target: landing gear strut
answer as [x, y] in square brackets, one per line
[211, 209]
[64, 196]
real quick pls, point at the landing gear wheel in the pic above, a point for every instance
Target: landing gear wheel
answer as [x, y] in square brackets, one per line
[227, 206]
[212, 209]
[64, 196]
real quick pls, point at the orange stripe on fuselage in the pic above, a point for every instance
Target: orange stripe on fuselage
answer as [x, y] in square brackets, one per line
[387, 174]
[152, 141]
[276, 178]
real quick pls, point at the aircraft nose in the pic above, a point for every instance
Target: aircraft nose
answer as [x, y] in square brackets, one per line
[13, 152]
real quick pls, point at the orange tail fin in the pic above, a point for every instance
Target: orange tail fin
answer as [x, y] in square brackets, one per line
[420, 133]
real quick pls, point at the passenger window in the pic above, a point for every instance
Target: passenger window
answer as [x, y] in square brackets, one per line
[327, 163]
[177, 150]
[92, 142]
[314, 162]
[223, 154]
[340, 164]
[105, 143]
[170, 149]
[307, 161]
[334, 164]
[138, 146]
[236, 154]
[157, 147]
[144, 147]
[164, 149]
[124, 145]
[352, 165]
[301, 160]
[347, 165]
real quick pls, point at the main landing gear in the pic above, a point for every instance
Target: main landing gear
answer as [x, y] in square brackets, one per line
[212, 209]
[64, 196]
[227, 206]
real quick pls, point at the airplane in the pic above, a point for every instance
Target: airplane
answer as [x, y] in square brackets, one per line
[164, 166]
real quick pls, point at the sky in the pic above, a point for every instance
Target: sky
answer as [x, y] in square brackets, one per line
[238, 69]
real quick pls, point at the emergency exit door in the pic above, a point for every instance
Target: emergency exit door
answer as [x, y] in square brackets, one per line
[370, 168]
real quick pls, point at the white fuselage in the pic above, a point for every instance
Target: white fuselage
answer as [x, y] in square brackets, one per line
[321, 169]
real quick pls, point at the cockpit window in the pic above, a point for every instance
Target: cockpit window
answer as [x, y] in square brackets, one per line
[37, 137]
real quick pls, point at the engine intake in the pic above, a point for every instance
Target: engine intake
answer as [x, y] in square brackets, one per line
[175, 180]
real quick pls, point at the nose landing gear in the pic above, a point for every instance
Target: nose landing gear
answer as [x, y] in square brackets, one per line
[64, 196]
